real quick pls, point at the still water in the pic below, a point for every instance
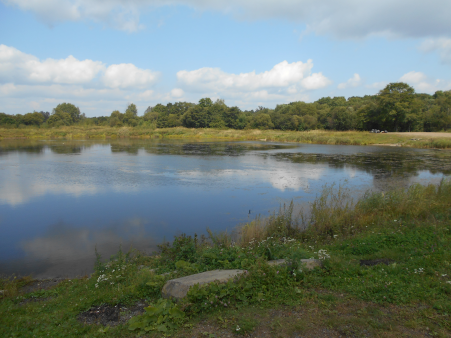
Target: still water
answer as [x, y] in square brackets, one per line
[59, 200]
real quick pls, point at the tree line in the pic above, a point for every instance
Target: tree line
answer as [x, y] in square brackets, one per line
[395, 108]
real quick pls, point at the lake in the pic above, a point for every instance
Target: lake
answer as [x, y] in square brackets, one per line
[61, 199]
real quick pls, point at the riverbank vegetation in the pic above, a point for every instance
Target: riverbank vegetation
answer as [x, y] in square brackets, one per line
[386, 272]
[395, 108]
[426, 140]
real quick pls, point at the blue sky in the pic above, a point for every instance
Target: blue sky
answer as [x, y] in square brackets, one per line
[101, 56]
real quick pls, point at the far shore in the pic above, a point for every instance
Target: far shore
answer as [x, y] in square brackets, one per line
[440, 140]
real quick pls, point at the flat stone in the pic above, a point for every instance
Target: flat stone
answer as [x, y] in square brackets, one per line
[308, 264]
[178, 288]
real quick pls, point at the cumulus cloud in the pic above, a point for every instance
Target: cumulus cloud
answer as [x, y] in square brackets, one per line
[423, 83]
[341, 18]
[377, 85]
[128, 75]
[441, 45]
[353, 82]
[24, 75]
[177, 93]
[283, 77]
[19, 67]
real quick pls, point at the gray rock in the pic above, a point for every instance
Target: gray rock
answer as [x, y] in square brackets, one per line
[308, 264]
[178, 288]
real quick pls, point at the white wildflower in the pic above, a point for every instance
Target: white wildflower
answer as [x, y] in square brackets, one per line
[322, 254]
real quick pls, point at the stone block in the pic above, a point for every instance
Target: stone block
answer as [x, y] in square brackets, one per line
[178, 288]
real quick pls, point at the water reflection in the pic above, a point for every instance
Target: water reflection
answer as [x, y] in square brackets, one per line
[64, 250]
[59, 199]
[389, 167]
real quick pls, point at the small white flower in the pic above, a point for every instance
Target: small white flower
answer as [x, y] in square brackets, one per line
[238, 328]
[448, 282]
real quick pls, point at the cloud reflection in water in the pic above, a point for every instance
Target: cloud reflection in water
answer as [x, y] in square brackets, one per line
[67, 251]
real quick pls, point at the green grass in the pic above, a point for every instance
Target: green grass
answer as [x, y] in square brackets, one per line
[314, 136]
[411, 296]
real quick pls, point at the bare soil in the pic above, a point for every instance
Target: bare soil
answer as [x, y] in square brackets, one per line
[108, 315]
[345, 318]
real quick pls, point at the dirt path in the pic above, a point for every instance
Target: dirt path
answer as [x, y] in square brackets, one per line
[425, 134]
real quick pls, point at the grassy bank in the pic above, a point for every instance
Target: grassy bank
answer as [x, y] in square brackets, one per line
[315, 136]
[386, 272]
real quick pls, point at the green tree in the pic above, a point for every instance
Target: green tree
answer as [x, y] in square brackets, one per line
[394, 103]
[205, 102]
[196, 117]
[262, 121]
[69, 108]
[343, 118]
[116, 119]
[35, 119]
[132, 111]
[231, 118]
[59, 118]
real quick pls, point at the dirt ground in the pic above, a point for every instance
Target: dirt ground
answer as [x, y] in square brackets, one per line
[424, 134]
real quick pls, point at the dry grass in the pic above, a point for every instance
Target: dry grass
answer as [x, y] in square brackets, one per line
[429, 140]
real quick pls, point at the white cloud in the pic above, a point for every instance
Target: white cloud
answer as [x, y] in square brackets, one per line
[423, 84]
[315, 81]
[290, 177]
[353, 82]
[289, 77]
[127, 75]
[442, 45]
[46, 82]
[377, 85]
[21, 67]
[177, 93]
[341, 18]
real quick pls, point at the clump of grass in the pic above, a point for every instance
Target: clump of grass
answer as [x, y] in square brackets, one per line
[335, 214]
[10, 286]
[281, 225]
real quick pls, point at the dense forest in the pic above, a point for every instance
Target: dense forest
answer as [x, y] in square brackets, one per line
[395, 108]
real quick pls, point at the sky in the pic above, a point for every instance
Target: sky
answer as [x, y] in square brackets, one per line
[103, 55]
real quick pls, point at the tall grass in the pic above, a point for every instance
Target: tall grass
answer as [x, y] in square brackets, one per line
[281, 224]
[313, 136]
[334, 213]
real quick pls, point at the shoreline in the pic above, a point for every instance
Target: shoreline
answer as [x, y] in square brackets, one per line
[385, 265]
[431, 140]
